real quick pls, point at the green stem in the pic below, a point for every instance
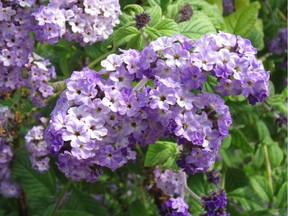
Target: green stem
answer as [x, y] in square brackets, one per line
[147, 40]
[268, 167]
[61, 196]
[140, 84]
[195, 196]
[100, 58]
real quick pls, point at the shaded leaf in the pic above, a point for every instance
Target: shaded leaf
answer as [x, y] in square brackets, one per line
[261, 187]
[32, 182]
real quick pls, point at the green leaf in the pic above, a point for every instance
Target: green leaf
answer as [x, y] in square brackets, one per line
[155, 13]
[210, 84]
[154, 2]
[80, 201]
[167, 27]
[73, 213]
[241, 4]
[151, 32]
[32, 182]
[134, 7]
[267, 212]
[246, 198]
[228, 156]
[282, 196]
[256, 35]
[275, 154]
[235, 178]
[261, 187]
[164, 4]
[243, 20]
[197, 26]
[124, 35]
[263, 132]
[226, 142]
[240, 140]
[137, 208]
[136, 42]
[259, 156]
[160, 152]
[49, 210]
[278, 101]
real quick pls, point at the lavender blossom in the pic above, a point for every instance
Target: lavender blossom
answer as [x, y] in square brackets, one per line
[85, 22]
[174, 207]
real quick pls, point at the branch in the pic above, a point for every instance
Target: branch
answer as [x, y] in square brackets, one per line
[195, 196]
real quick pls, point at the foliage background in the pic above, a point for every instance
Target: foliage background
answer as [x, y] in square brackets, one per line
[254, 155]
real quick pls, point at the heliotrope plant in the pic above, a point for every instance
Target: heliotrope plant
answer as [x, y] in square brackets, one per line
[157, 123]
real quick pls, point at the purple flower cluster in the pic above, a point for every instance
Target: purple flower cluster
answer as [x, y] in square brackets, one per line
[39, 72]
[19, 66]
[174, 207]
[278, 45]
[7, 188]
[170, 182]
[38, 147]
[215, 204]
[232, 60]
[98, 121]
[85, 21]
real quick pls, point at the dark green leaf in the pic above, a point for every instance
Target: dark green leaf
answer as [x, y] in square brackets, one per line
[137, 208]
[235, 178]
[259, 156]
[32, 182]
[246, 198]
[80, 201]
[261, 187]
[240, 140]
[73, 213]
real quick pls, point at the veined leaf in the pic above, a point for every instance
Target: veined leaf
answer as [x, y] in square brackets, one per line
[197, 26]
[275, 154]
[155, 13]
[80, 201]
[282, 196]
[32, 182]
[167, 27]
[243, 20]
[124, 35]
[160, 152]
[261, 187]
[245, 196]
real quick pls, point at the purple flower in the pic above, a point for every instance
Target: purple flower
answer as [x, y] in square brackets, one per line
[174, 207]
[215, 204]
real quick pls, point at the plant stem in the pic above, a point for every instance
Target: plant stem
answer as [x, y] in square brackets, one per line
[195, 196]
[61, 196]
[147, 40]
[141, 84]
[268, 167]
[100, 58]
